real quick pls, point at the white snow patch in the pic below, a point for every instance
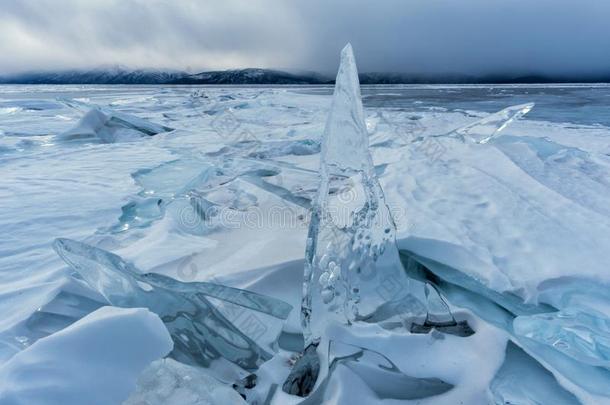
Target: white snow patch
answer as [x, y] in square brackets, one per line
[96, 360]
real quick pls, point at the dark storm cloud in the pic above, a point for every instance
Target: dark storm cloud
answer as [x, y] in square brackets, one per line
[414, 36]
[154, 33]
[470, 36]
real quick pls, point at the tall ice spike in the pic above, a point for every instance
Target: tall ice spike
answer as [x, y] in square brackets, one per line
[345, 144]
[352, 268]
[346, 260]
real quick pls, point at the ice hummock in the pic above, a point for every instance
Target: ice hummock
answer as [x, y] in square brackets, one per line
[202, 331]
[99, 357]
[107, 126]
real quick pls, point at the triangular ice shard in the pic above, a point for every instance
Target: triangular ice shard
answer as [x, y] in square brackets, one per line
[483, 130]
[203, 333]
[105, 125]
[345, 145]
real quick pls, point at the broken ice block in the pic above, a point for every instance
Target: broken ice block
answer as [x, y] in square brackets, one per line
[202, 333]
[582, 335]
[580, 328]
[379, 373]
[105, 125]
[439, 316]
[303, 376]
[483, 130]
[521, 380]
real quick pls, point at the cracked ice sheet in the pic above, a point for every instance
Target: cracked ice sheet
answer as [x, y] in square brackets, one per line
[268, 234]
[50, 191]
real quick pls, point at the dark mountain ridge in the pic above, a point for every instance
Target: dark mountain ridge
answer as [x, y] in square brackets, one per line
[257, 76]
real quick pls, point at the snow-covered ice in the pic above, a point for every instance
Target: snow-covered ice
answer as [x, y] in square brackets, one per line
[508, 229]
[167, 381]
[96, 360]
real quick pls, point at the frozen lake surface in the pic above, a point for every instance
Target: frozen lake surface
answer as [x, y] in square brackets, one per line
[215, 184]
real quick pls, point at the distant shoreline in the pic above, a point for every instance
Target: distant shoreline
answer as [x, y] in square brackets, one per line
[329, 85]
[267, 77]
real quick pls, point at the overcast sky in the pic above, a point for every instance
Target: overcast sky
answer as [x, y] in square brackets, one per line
[414, 36]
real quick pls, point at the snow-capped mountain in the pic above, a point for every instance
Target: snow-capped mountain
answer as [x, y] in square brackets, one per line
[253, 76]
[111, 75]
[258, 76]
[120, 75]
